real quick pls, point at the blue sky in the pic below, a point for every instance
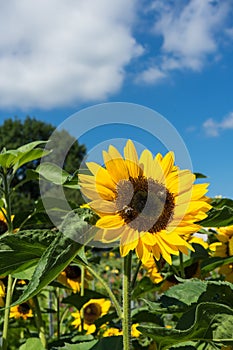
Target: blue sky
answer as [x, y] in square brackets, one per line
[175, 57]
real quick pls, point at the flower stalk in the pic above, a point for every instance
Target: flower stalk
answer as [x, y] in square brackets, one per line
[108, 290]
[6, 194]
[126, 321]
[39, 322]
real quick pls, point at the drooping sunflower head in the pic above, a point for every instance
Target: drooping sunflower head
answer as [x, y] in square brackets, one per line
[145, 203]
[21, 311]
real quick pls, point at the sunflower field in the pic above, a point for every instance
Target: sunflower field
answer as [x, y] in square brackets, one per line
[145, 263]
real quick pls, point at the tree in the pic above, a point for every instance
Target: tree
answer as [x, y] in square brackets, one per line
[14, 133]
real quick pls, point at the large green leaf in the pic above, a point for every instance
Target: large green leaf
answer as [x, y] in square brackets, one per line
[187, 292]
[212, 324]
[218, 217]
[25, 157]
[22, 250]
[31, 145]
[32, 344]
[54, 260]
[7, 158]
[52, 173]
[24, 154]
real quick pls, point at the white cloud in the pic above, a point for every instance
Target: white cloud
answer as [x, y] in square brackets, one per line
[189, 31]
[151, 75]
[54, 53]
[213, 128]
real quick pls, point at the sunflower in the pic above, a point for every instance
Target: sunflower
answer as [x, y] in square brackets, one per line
[112, 331]
[2, 293]
[225, 249]
[21, 311]
[91, 311]
[71, 277]
[3, 221]
[152, 270]
[147, 204]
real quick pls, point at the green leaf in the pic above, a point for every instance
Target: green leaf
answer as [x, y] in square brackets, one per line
[80, 346]
[52, 173]
[54, 260]
[7, 158]
[213, 323]
[32, 344]
[23, 158]
[211, 264]
[218, 217]
[22, 250]
[143, 315]
[80, 301]
[221, 202]
[113, 343]
[187, 292]
[31, 145]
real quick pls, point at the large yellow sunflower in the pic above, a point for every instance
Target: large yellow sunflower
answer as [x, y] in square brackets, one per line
[153, 271]
[147, 203]
[91, 311]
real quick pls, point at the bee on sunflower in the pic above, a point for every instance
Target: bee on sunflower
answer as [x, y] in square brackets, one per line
[145, 203]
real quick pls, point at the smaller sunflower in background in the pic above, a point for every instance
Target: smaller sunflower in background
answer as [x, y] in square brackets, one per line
[112, 331]
[2, 293]
[225, 249]
[71, 277]
[90, 312]
[23, 311]
[3, 221]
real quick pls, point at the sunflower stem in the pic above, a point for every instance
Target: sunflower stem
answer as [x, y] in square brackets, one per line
[82, 295]
[58, 312]
[126, 322]
[39, 322]
[6, 191]
[108, 290]
[182, 272]
[135, 275]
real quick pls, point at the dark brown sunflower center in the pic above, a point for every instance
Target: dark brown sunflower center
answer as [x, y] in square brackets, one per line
[73, 272]
[23, 308]
[92, 312]
[144, 204]
[3, 227]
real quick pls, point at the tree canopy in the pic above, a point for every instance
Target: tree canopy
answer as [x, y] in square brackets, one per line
[16, 132]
